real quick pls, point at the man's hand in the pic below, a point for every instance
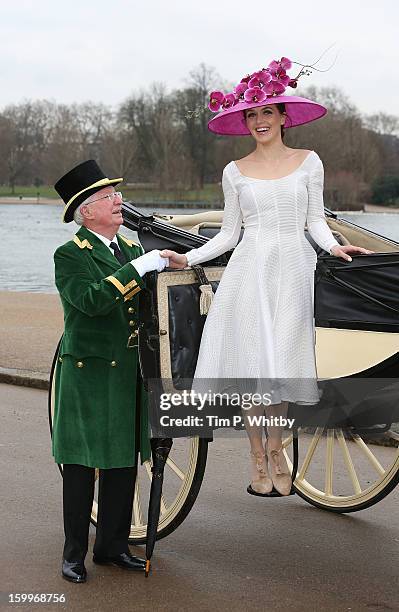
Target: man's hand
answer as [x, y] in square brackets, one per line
[343, 250]
[150, 261]
[176, 261]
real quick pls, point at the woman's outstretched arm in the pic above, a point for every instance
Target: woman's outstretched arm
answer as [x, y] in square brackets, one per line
[316, 220]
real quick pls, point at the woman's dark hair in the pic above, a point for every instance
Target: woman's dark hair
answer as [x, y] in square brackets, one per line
[281, 109]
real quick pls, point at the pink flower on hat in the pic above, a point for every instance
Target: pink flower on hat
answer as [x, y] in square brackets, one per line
[277, 88]
[278, 73]
[256, 87]
[283, 64]
[240, 89]
[229, 100]
[216, 100]
[269, 88]
[246, 78]
[254, 94]
[260, 79]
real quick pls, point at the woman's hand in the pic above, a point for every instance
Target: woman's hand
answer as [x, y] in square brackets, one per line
[176, 261]
[343, 250]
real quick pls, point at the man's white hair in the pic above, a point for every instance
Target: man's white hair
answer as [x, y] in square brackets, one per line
[77, 215]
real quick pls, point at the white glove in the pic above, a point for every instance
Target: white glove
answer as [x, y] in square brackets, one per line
[150, 261]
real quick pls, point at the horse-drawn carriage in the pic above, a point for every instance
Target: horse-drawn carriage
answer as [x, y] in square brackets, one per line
[342, 464]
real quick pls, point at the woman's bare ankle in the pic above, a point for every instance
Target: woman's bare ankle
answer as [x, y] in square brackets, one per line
[274, 443]
[257, 450]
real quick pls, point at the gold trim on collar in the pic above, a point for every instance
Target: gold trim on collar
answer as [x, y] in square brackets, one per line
[121, 288]
[128, 242]
[82, 244]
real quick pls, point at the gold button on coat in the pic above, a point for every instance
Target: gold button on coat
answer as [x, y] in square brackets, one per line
[80, 364]
[113, 363]
[130, 310]
[131, 323]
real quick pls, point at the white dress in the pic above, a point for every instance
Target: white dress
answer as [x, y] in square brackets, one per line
[261, 324]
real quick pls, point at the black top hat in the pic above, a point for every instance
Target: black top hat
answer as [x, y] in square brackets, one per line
[79, 183]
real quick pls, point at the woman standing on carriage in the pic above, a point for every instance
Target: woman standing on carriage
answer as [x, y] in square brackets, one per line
[260, 325]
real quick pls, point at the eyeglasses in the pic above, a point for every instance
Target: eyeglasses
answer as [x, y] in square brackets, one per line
[111, 197]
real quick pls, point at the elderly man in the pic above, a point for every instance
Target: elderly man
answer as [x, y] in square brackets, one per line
[100, 410]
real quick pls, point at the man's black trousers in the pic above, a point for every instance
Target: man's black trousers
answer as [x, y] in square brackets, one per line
[115, 501]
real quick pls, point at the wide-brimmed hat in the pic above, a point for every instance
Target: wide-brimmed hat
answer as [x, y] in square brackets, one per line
[231, 121]
[261, 88]
[79, 183]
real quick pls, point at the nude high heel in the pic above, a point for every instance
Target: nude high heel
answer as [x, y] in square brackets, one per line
[279, 471]
[261, 483]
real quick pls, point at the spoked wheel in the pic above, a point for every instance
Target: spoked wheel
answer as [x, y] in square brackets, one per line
[342, 471]
[184, 472]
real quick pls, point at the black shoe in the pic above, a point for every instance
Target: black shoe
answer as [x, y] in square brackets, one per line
[124, 560]
[74, 571]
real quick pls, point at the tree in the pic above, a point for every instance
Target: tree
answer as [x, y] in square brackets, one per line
[192, 114]
[382, 123]
[386, 190]
[162, 137]
[149, 116]
[29, 131]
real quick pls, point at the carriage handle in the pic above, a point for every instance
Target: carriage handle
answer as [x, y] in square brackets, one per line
[381, 264]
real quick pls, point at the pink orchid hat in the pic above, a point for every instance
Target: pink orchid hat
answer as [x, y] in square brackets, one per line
[266, 86]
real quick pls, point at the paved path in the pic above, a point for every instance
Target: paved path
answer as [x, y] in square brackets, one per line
[375, 208]
[234, 552]
[30, 326]
[29, 200]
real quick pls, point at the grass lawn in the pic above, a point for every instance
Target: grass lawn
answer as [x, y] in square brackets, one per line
[28, 191]
[210, 193]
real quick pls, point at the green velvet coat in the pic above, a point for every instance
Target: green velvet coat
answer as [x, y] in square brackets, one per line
[100, 405]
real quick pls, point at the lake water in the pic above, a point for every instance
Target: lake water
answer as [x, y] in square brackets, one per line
[29, 235]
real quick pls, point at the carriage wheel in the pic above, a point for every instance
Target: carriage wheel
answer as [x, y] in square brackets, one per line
[342, 471]
[184, 472]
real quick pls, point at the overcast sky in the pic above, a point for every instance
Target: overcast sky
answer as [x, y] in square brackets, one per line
[103, 50]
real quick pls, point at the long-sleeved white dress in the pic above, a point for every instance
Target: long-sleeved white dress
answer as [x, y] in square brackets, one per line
[261, 323]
